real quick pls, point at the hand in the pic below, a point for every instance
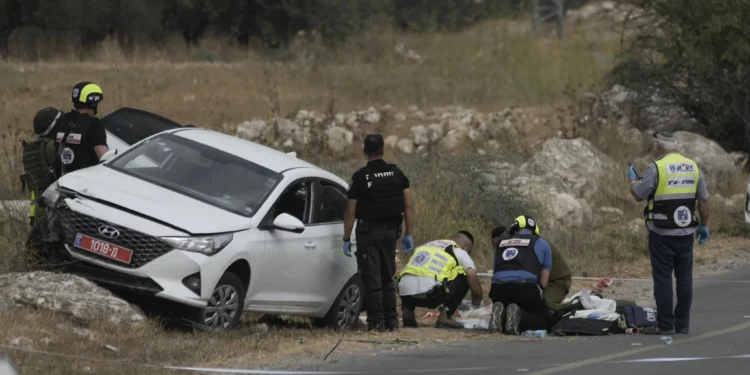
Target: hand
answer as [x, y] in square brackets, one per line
[702, 234]
[348, 248]
[407, 244]
[632, 173]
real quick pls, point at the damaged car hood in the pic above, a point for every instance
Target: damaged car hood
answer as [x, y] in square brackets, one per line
[118, 189]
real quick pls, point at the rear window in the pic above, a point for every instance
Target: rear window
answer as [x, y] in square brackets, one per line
[132, 125]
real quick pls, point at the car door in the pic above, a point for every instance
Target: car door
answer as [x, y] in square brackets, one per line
[334, 268]
[291, 264]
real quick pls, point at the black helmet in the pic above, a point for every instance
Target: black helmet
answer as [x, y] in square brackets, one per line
[87, 94]
[522, 222]
[45, 120]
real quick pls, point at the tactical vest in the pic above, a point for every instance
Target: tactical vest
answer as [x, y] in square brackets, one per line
[436, 260]
[672, 204]
[38, 160]
[385, 200]
[517, 254]
[71, 130]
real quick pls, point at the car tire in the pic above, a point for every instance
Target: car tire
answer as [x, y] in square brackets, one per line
[224, 309]
[345, 310]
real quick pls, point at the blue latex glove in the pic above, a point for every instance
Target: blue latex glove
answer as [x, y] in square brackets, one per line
[702, 234]
[407, 244]
[632, 172]
[348, 248]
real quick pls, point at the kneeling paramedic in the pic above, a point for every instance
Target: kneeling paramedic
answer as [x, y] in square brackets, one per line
[439, 274]
[521, 270]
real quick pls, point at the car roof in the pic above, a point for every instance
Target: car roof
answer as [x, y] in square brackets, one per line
[270, 158]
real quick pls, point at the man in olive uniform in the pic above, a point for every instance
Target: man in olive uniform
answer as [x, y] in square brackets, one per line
[80, 139]
[378, 197]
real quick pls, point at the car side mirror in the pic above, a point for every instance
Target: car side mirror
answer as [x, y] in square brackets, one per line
[288, 223]
[108, 155]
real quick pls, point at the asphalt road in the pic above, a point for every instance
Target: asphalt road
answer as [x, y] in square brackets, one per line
[718, 344]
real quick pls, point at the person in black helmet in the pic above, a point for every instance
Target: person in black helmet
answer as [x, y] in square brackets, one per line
[378, 197]
[80, 139]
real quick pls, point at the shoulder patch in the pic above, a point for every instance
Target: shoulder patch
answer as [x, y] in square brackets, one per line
[515, 242]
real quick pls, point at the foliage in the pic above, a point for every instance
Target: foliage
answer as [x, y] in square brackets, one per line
[696, 54]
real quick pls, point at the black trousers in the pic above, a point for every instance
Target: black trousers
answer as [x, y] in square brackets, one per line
[376, 259]
[452, 298]
[672, 254]
[528, 297]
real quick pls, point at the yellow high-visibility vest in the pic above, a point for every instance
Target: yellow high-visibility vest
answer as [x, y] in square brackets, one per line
[435, 260]
[672, 204]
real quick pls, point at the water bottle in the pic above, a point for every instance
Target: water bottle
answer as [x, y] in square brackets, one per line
[666, 340]
[535, 334]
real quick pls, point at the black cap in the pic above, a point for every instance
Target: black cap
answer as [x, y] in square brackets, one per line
[374, 144]
[468, 235]
[498, 231]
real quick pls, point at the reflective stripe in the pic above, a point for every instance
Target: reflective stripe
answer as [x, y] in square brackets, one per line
[659, 198]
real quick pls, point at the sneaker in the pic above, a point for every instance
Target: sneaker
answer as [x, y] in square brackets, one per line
[496, 318]
[410, 320]
[445, 321]
[391, 325]
[683, 331]
[513, 320]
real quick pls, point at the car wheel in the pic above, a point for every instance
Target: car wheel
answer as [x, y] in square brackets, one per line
[347, 306]
[224, 308]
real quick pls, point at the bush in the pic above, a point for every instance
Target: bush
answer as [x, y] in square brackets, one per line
[694, 53]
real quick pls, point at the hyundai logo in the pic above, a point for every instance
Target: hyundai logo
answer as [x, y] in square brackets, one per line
[109, 232]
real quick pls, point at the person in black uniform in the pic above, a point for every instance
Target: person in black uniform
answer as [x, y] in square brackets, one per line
[378, 197]
[80, 139]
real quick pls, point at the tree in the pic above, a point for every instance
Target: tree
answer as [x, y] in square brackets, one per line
[695, 53]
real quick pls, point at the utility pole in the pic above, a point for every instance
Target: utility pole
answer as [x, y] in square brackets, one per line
[545, 10]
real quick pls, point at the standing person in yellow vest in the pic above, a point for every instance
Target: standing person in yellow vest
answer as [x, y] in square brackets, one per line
[439, 274]
[674, 188]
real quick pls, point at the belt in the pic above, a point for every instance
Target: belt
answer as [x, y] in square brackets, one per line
[378, 224]
[527, 281]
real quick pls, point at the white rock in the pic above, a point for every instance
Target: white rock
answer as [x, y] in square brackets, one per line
[420, 135]
[637, 226]
[339, 139]
[67, 295]
[567, 210]
[289, 143]
[582, 168]
[412, 108]
[420, 115]
[252, 130]
[612, 211]
[23, 342]
[260, 328]
[474, 135]
[400, 117]
[391, 141]
[291, 130]
[435, 131]
[481, 151]
[453, 139]
[493, 144]
[406, 146]
[372, 116]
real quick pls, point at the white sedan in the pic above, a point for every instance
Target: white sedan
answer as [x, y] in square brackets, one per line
[214, 223]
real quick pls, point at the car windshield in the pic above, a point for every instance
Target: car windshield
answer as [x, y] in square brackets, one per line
[199, 171]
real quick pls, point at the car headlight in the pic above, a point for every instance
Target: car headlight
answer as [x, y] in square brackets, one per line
[208, 245]
[51, 195]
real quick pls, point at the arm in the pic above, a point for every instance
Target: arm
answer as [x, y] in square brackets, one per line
[544, 279]
[349, 216]
[703, 201]
[544, 252]
[641, 190]
[408, 212]
[475, 286]
[98, 138]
